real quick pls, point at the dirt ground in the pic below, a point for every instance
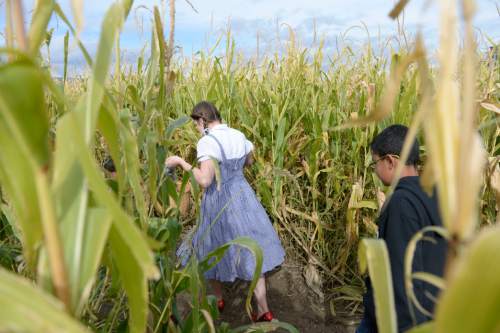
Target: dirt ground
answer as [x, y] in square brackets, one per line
[290, 300]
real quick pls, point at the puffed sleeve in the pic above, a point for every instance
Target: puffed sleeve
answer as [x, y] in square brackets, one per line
[248, 146]
[206, 149]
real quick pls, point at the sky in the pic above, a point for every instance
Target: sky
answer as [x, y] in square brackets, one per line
[347, 22]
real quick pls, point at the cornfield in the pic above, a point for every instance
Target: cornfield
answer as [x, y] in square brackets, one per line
[78, 256]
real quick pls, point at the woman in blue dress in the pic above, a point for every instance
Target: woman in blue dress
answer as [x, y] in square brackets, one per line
[231, 209]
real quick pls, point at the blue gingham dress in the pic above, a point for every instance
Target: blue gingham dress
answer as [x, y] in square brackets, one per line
[230, 212]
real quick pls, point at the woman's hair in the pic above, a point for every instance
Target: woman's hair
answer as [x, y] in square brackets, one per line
[206, 111]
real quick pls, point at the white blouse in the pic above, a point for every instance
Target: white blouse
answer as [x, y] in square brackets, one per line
[234, 143]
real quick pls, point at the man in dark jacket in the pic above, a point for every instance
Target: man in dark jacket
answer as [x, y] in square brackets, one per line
[408, 211]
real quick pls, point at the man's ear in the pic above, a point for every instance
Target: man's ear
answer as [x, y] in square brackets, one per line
[392, 161]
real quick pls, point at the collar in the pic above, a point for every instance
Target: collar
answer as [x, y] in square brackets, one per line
[218, 127]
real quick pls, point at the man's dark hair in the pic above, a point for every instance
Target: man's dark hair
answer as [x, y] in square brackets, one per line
[206, 111]
[109, 165]
[390, 142]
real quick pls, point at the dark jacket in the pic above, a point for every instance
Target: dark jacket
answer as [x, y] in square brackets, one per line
[409, 210]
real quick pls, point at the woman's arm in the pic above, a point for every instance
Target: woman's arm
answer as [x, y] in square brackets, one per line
[249, 160]
[203, 175]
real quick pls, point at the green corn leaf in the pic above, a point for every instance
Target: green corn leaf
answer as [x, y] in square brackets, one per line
[428, 327]
[172, 189]
[172, 126]
[8, 214]
[95, 236]
[161, 43]
[39, 23]
[408, 265]
[152, 70]
[471, 302]
[372, 256]
[66, 48]
[28, 309]
[30, 127]
[71, 197]
[77, 9]
[133, 278]
[133, 97]
[23, 147]
[127, 5]
[109, 126]
[124, 224]
[152, 169]
[128, 244]
[366, 204]
[109, 33]
[215, 256]
[58, 10]
[196, 285]
[131, 154]
[266, 327]
[18, 181]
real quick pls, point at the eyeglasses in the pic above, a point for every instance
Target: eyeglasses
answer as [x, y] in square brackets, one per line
[374, 163]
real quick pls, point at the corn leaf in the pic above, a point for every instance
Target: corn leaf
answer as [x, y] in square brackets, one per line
[39, 23]
[373, 256]
[428, 327]
[131, 154]
[129, 244]
[474, 281]
[172, 126]
[71, 196]
[77, 9]
[161, 43]
[30, 127]
[66, 48]
[109, 126]
[266, 327]
[215, 256]
[28, 309]
[398, 8]
[58, 10]
[95, 236]
[408, 264]
[23, 147]
[109, 32]
[133, 278]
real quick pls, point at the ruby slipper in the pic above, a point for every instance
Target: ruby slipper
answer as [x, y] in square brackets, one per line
[266, 316]
[221, 304]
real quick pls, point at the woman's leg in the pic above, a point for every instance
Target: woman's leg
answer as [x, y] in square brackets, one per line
[260, 297]
[217, 288]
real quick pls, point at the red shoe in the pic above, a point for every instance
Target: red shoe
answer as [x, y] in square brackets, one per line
[221, 304]
[267, 316]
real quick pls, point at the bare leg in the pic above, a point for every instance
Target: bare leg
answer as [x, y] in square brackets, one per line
[260, 296]
[217, 288]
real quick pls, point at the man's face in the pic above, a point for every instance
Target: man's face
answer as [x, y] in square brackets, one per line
[384, 167]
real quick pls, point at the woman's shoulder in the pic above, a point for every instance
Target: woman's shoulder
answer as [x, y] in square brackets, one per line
[236, 132]
[227, 131]
[206, 141]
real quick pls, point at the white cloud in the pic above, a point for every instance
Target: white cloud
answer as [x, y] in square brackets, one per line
[198, 30]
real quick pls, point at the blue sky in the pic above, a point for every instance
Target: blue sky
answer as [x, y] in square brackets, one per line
[267, 18]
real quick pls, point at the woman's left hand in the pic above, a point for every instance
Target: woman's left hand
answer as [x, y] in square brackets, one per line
[173, 161]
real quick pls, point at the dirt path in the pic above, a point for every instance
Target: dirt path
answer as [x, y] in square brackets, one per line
[290, 300]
